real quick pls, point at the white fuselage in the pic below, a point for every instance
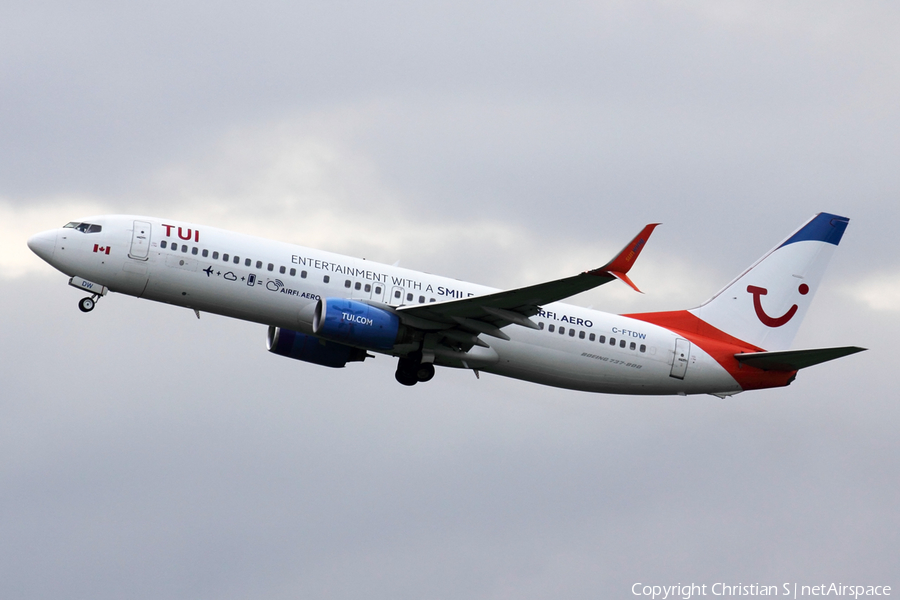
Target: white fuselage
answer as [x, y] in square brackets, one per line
[278, 284]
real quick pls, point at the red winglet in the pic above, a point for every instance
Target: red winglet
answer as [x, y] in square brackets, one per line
[622, 263]
[624, 279]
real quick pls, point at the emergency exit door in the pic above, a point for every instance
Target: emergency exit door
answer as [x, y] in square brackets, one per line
[396, 298]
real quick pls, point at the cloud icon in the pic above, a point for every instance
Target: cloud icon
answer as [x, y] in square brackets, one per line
[230, 276]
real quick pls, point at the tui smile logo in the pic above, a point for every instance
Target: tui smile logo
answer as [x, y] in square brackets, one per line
[768, 321]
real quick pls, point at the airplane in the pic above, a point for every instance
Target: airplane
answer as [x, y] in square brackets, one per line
[330, 310]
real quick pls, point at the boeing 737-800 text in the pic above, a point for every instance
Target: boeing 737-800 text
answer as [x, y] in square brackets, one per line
[330, 309]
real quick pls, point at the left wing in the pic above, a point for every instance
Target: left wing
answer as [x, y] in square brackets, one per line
[489, 313]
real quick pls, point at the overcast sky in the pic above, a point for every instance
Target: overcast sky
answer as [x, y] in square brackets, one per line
[146, 454]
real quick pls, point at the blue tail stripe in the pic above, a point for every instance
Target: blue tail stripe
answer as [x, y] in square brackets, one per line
[824, 227]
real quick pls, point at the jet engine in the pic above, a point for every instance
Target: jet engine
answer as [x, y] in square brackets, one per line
[300, 346]
[355, 323]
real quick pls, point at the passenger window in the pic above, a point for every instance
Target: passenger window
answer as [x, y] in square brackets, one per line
[633, 346]
[303, 274]
[581, 335]
[591, 337]
[431, 300]
[643, 348]
[622, 344]
[195, 250]
[602, 339]
[247, 262]
[368, 288]
[357, 286]
[259, 264]
[184, 248]
[293, 272]
[409, 297]
[326, 279]
[562, 331]
[282, 269]
[396, 293]
[237, 260]
[347, 284]
[551, 327]
[215, 256]
[225, 257]
[270, 267]
[612, 341]
[377, 289]
[162, 244]
[421, 299]
[541, 325]
[205, 253]
[571, 333]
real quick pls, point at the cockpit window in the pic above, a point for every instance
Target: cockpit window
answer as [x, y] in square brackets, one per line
[84, 227]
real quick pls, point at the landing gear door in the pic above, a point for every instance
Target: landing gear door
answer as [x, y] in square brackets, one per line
[681, 358]
[140, 241]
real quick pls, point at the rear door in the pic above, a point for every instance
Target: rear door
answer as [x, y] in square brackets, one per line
[680, 360]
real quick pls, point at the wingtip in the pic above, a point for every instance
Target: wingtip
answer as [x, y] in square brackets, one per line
[624, 260]
[624, 279]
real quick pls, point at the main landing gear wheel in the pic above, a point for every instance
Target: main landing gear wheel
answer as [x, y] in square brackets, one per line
[425, 372]
[86, 304]
[405, 377]
[411, 371]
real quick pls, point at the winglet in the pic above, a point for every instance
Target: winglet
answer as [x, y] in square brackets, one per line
[624, 260]
[624, 279]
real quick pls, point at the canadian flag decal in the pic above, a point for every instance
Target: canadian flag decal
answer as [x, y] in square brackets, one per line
[101, 249]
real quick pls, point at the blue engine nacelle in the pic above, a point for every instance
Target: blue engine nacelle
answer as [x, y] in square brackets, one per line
[355, 323]
[300, 346]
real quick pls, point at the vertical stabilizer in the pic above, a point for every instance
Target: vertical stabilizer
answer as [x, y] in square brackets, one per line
[765, 305]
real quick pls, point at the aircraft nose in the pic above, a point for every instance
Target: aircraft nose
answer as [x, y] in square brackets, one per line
[43, 244]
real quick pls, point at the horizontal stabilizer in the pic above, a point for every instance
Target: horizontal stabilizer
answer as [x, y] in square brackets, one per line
[792, 360]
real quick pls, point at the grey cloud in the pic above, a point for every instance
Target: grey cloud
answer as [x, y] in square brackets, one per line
[205, 467]
[146, 454]
[502, 106]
